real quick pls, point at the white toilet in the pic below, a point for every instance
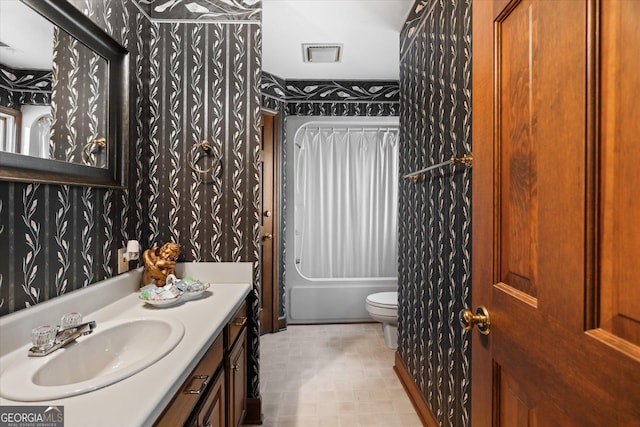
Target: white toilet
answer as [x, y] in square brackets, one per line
[383, 307]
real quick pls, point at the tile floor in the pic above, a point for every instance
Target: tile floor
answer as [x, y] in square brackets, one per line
[331, 375]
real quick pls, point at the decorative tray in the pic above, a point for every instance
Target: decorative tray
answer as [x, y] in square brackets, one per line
[162, 302]
[174, 292]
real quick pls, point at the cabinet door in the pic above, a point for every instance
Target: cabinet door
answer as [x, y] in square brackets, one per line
[190, 396]
[237, 380]
[212, 412]
[235, 326]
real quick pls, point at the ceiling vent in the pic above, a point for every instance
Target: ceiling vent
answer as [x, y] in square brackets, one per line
[322, 52]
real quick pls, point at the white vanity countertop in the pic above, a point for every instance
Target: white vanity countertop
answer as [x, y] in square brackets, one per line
[141, 398]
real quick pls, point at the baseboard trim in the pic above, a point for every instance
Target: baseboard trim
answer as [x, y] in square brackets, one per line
[282, 324]
[253, 415]
[417, 399]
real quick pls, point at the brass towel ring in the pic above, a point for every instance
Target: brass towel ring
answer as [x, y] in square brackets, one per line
[193, 156]
[91, 148]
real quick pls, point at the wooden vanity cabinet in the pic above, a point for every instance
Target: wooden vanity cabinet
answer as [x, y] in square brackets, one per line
[236, 367]
[195, 389]
[212, 413]
[214, 394]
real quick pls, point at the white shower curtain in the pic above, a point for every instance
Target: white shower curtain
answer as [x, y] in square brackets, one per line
[346, 202]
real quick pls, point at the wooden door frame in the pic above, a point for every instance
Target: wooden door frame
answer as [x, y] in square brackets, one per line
[482, 375]
[270, 323]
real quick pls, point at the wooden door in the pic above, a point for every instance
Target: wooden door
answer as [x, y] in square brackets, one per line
[269, 312]
[555, 233]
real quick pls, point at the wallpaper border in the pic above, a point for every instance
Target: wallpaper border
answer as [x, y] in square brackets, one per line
[326, 91]
[25, 87]
[202, 11]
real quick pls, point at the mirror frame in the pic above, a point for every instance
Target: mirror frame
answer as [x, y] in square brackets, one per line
[18, 167]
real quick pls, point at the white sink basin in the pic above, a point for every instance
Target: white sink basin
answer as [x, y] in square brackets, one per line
[114, 351]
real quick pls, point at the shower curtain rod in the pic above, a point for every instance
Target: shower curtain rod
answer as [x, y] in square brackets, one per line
[466, 160]
[355, 128]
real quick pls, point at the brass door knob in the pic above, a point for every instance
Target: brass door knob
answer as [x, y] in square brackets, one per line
[468, 320]
[267, 213]
[267, 236]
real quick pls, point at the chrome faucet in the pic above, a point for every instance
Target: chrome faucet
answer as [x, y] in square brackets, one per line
[47, 339]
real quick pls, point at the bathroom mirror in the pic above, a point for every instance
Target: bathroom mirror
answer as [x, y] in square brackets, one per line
[63, 97]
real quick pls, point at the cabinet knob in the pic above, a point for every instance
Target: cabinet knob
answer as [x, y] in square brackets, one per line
[236, 367]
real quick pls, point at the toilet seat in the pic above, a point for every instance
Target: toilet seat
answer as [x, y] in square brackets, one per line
[387, 300]
[383, 307]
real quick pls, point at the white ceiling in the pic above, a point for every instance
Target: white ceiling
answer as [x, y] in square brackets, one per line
[368, 29]
[29, 36]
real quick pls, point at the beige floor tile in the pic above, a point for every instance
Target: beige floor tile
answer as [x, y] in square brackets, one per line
[298, 409]
[376, 407]
[403, 405]
[326, 396]
[329, 421]
[378, 420]
[331, 376]
[329, 407]
[349, 421]
[344, 395]
[295, 422]
[410, 420]
[348, 408]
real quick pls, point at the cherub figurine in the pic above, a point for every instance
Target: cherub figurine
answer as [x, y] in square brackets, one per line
[158, 263]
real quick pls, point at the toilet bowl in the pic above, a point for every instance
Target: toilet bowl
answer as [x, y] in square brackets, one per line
[383, 307]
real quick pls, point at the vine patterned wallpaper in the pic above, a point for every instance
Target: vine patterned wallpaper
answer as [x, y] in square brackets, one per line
[64, 237]
[435, 213]
[420, 9]
[204, 85]
[189, 81]
[78, 100]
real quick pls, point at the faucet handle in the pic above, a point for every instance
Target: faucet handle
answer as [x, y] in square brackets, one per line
[70, 320]
[43, 336]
